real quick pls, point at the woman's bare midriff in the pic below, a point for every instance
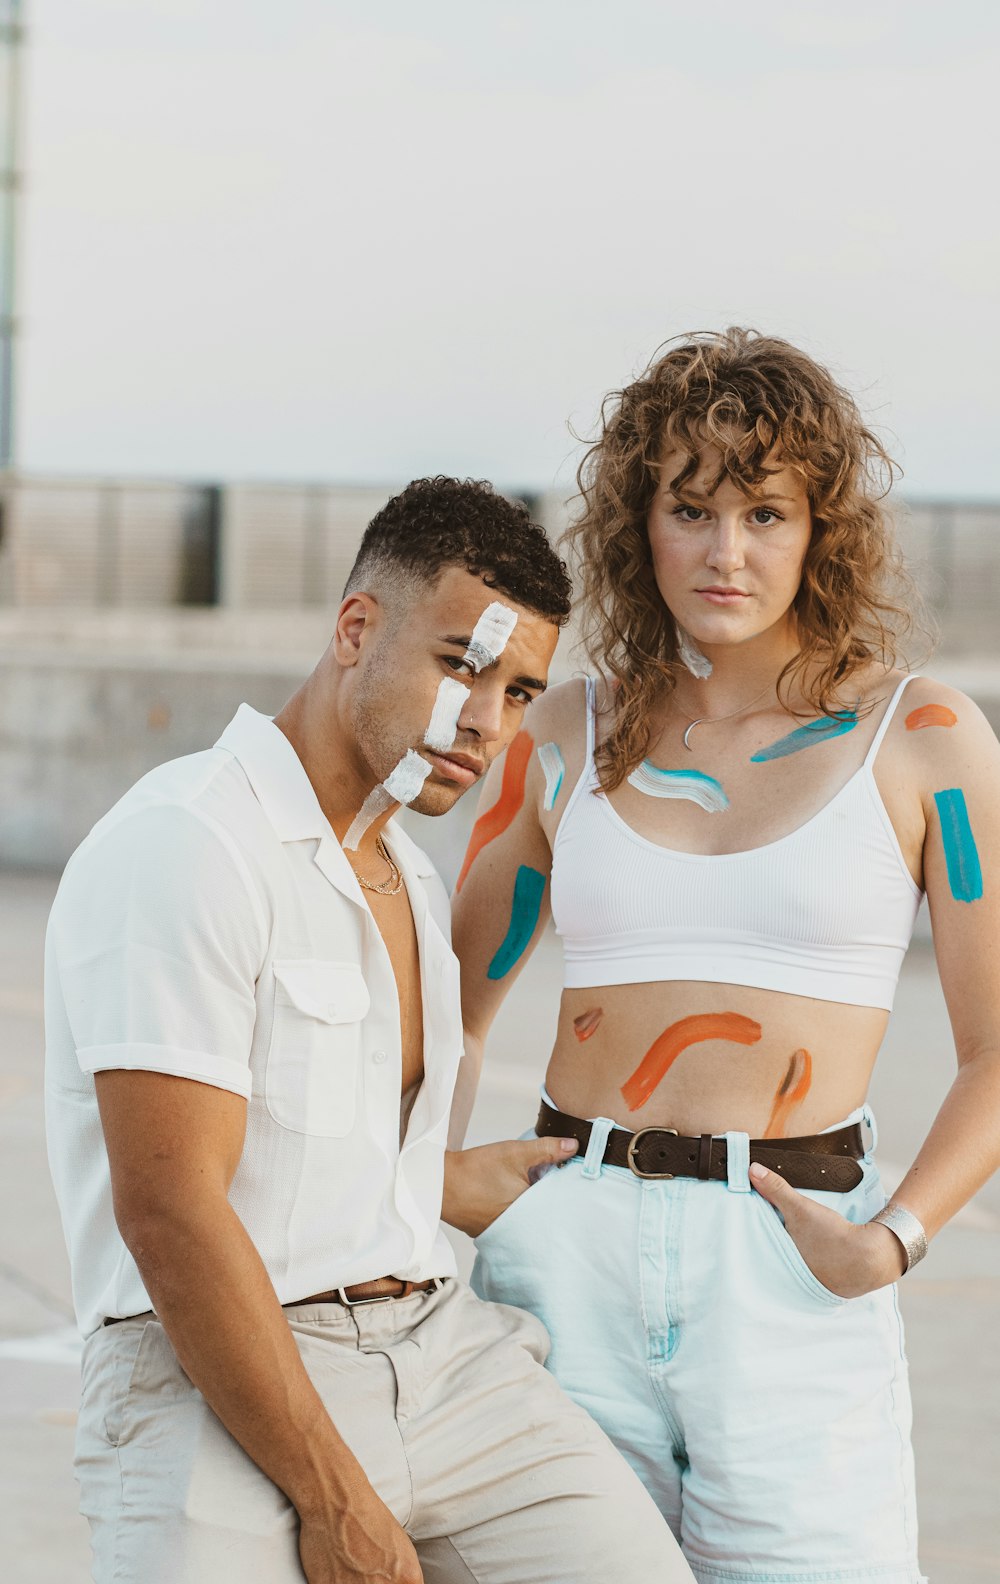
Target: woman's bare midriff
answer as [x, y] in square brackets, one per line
[708, 1058]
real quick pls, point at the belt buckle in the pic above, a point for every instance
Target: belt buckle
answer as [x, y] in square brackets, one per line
[633, 1146]
[374, 1298]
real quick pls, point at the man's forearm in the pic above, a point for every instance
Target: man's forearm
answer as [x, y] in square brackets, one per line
[215, 1300]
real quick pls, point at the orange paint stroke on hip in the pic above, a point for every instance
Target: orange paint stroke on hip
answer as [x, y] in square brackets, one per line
[507, 806]
[792, 1090]
[931, 715]
[665, 1050]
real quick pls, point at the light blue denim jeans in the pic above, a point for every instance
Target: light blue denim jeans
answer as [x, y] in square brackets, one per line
[768, 1417]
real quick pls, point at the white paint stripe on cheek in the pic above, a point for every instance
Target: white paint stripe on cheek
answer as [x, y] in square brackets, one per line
[404, 783]
[490, 635]
[401, 785]
[452, 697]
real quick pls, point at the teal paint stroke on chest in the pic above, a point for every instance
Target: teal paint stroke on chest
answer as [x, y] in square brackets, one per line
[529, 888]
[694, 785]
[808, 736]
[965, 874]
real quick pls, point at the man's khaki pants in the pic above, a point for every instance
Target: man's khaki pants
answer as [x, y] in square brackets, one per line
[494, 1473]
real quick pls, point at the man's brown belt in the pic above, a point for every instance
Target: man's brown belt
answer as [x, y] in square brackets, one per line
[379, 1291]
[820, 1160]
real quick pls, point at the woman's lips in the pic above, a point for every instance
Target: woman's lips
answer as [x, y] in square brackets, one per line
[717, 596]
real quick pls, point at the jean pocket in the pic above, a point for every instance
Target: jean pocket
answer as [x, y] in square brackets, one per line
[314, 1061]
[788, 1250]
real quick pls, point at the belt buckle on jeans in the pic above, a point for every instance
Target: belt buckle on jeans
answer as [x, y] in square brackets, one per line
[634, 1144]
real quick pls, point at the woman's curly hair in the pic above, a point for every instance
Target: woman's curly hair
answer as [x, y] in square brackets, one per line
[763, 404]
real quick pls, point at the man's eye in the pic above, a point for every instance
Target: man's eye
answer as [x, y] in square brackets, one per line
[460, 665]
[521, 695]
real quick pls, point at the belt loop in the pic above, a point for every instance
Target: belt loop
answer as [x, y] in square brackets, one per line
[868, 1115]
[600, 1128]
[738, 1162]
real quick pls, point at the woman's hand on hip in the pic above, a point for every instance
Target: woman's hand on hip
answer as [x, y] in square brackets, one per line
[480, 1184]
[847, 1258]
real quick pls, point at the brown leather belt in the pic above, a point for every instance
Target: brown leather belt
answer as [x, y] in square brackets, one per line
[381, 1290]
[821, 1160]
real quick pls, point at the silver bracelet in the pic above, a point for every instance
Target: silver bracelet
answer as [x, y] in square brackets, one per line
[905, 1226]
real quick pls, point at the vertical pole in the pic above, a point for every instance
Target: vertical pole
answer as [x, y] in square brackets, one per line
[11, 36]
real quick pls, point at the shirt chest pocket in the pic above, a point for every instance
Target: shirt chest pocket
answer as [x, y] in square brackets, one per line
[314, 1063]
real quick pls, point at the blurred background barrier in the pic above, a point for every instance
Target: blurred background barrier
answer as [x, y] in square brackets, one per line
[135, 616]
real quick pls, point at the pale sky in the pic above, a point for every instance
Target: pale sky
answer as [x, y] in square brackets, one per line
[363, 242]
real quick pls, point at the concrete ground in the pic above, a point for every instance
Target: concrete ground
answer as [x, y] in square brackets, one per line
[951, 1302]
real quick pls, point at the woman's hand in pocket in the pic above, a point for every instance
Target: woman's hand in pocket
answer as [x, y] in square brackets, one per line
[480, 1184]
[848, 1259]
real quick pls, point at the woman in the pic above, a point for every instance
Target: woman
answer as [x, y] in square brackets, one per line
[733, 826]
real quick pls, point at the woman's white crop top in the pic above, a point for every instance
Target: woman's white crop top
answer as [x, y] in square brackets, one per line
[826, 911]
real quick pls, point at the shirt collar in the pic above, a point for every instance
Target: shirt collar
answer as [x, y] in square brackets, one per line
[286, 794]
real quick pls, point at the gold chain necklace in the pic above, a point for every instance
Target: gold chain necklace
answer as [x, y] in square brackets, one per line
[390, 887]
[712, 720]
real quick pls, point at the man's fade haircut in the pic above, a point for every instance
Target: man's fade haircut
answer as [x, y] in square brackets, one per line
[437, 523]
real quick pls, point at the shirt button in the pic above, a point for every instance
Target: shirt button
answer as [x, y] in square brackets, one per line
[379, 1057]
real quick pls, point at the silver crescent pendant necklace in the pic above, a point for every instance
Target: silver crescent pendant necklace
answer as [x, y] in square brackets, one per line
[712, 720]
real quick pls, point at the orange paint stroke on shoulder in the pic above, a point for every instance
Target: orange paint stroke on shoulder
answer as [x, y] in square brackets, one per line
[586, 1024]
[791, 1092]
[931, 715]
[665, 1050]
[507, 806]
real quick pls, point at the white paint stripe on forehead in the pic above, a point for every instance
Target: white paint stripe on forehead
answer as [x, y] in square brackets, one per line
[490, 635]
[452, 696]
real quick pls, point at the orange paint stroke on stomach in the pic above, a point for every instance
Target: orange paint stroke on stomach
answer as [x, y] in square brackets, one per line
[791, 1092]
[931, 715]
[507, 806]
[665, 1050]
[587, 1023]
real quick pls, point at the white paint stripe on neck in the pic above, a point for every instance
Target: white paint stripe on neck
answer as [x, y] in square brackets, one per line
[698, 664]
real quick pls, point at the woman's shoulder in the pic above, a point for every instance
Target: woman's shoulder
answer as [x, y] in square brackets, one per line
[561, 711]
[937, 727]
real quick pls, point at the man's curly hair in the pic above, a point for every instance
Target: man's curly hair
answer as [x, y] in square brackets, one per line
[762, 404]
[435, 523]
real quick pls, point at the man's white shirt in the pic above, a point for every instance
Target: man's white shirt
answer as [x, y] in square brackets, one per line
[211, 927]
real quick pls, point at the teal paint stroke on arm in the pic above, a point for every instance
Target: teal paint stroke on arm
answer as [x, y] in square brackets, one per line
[807, 736]
[965, 875]
[695, 785]
[529, 888]
[554, 768]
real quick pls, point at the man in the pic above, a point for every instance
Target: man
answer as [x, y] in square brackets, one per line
[253, 1034]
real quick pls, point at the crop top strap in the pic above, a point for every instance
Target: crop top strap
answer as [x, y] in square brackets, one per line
[886, 720]
[588, 777]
